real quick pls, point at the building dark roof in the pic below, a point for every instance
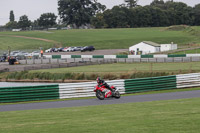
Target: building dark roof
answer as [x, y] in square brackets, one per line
[152, 43]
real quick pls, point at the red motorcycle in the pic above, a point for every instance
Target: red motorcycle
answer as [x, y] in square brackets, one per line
[102, 92]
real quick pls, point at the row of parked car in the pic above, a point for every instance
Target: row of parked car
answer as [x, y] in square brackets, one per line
[23, 53]
[71, 49]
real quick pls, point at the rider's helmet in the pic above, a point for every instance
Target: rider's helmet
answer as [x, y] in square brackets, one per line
[98, 80]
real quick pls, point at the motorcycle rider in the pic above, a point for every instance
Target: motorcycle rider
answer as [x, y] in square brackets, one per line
[101, 82]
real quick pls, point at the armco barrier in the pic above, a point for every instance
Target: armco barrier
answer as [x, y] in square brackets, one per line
[120, 56]
[29, 93]
[61, 91]
[58, 59]
[73, 90]
[188, 80]
[149, 84]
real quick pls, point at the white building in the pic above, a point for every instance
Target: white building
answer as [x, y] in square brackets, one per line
[168, 47]
[145, 47]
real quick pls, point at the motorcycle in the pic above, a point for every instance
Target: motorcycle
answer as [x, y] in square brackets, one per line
[102, 92]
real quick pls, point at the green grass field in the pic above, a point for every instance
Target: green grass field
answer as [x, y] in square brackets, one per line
[194, 51]
[20, 43]
[128, 68]
[173, 116]
[100, 38]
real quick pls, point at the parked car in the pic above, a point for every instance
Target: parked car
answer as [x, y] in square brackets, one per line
[2, 59]
[35, 53]
[60, 49]
[48, 50]
[73, 49]
[14, 53]
[22, 53]
[70, 49]
[77, 48]
[65, 49]
[87, 48]
[54, 49]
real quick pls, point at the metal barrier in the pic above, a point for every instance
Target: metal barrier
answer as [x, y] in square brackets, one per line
[150, 84]
[188, 80]
[120, 56]
[109, 60]
[74, 90]
[29, 93]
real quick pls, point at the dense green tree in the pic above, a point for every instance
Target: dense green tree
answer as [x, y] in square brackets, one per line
[131, 3]
[158, 3]
[176, 12]
[78, 12]
[98, 21]
[117, 17]
[158, 13]
[133, 21]
[47, 20]
[159, 17]
[12, 25]
[197, 14]
[179, 13]
[144, 17]
[12, 16]
[24, 22]
[35, 23]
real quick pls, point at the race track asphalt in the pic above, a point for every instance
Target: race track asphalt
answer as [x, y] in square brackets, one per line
[93, 102]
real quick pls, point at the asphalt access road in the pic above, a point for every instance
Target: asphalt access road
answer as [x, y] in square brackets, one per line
[93, 102]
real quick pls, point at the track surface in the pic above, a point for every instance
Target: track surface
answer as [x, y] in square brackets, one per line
[90, 102]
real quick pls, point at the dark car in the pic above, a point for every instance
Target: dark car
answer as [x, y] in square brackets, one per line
[87, 48]
[60, 49]
[3, 58]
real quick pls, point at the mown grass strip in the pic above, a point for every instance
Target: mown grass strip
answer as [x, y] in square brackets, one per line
[181, 115]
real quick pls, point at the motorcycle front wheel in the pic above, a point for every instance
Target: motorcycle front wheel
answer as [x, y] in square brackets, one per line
[100, 95]
[117, 95]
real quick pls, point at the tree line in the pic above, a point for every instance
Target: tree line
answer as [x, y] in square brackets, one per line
[129, 14]
[46, 20]
[157, 14]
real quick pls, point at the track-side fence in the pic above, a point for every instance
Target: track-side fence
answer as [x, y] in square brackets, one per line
[74, 90]
[29, 93]
[59, 59]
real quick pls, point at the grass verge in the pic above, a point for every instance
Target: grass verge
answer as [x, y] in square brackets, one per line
[158, 116]
[109, 71]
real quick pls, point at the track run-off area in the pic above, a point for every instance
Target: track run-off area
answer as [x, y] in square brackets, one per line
[95, 101]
